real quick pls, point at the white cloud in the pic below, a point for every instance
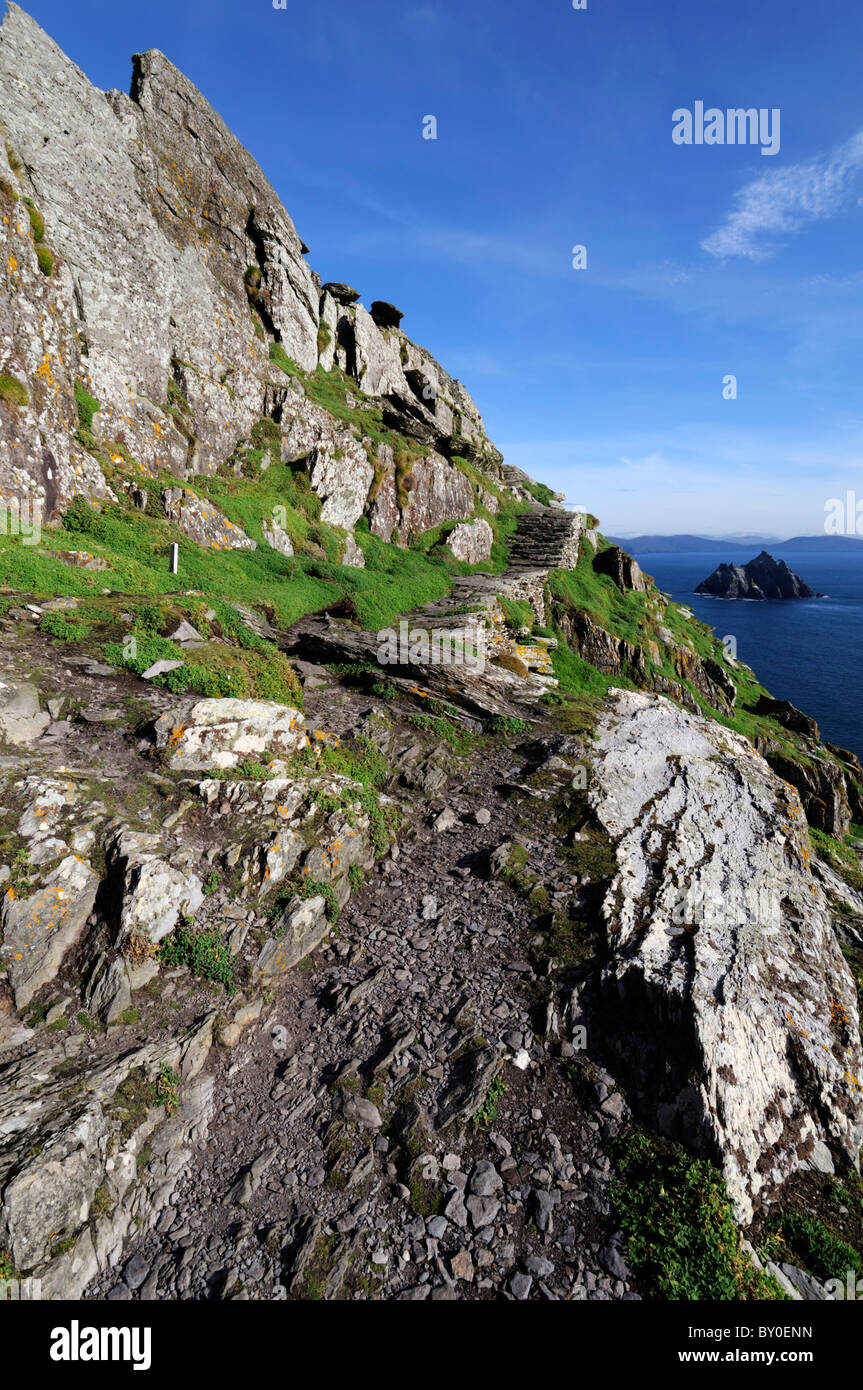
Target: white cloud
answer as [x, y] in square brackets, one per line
[784, 200]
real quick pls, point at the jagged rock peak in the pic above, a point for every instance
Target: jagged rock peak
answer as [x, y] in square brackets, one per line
[762, 578]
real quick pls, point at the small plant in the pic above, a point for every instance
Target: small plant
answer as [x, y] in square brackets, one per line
[168, 1084]
[355, 877]
[487, 1112]
[19, 873]
[129, 1017]
[45, 259]
[13, 391]
[63, 629]
[204, 951]
[507, 724]
[16, 163]
[822, 1252]
[680, 1229]
[212, 883]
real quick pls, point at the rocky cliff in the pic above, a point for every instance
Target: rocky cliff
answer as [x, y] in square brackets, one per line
[156, 305]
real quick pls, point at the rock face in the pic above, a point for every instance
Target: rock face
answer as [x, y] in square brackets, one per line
[761, 578]
[621, 567]
[726, 997]
[148, 305]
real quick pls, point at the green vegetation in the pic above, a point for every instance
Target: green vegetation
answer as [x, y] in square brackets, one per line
[87, 408]
[140, 1093]
[64, 629]
[840, 855]
[461, 740]
[811, 1244]
[487, 1112]
[681, 1235]
[16, 163]
[544, 495]
[204, 951]
[45, 259]
[13, 391]
[508, 724]
[37, 221]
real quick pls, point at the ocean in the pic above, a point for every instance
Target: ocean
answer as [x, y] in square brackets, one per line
[808, 651]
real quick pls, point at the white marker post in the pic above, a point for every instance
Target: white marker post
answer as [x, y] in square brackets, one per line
[175, 557]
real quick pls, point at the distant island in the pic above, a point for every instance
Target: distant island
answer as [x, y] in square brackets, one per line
[761, 578]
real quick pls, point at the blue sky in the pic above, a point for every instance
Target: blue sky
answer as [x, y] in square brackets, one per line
[554, 129]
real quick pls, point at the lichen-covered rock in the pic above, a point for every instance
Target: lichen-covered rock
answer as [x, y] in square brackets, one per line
[471, 541]
[155, 893]
[39, 930]
[156, 212]
[221, 733]
[300, 930]
[21, 720]
[439, 493]
[202, 522]
[726, 1000]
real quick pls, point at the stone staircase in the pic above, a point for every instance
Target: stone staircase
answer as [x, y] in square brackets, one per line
[546, 539]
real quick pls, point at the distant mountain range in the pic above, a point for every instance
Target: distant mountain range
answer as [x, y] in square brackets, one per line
[668, 545]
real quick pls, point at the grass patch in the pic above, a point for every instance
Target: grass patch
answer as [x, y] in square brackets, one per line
[13, 391]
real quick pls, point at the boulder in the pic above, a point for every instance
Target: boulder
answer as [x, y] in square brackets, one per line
[341, 293]
[386, 315]
[155, 893]
[301, 928]
[471, 541]
[202, 522]
[39, 930]
[221, 733]
[788, 715]
[621, 567]
[725, 1003]
[21, 720]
